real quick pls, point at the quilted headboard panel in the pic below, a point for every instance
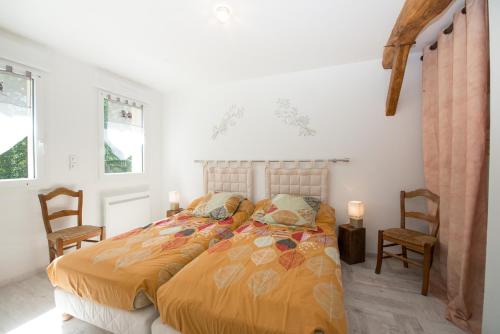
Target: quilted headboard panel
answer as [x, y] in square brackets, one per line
[228, 178]
[297, 181]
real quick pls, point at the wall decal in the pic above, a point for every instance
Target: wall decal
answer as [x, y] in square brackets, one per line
[228, 120]
[290, 116]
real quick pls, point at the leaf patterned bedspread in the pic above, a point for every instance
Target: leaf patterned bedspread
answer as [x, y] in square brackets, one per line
[265, 279]
[116, 271]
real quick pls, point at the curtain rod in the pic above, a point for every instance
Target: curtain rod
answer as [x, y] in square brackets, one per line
[446, 31]
[124, 102]
[8, 69]
[310, 160]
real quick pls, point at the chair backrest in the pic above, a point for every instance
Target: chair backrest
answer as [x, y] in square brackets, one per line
[47, 218]
[432, 219]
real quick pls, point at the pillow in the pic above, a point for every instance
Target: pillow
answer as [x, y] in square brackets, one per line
[289, 210]
[218, 205]
[194, 203]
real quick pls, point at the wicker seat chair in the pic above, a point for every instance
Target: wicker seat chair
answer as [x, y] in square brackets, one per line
[411, 240]
[70, 237]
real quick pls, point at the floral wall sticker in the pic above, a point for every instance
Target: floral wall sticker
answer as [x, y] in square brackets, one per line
[290, 116]
[228, 120]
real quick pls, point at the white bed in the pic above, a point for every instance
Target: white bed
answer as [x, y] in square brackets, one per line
[217, 178]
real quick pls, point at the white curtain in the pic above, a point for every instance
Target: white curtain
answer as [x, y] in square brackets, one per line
[124, 131]
[15, 110]
[125, 140]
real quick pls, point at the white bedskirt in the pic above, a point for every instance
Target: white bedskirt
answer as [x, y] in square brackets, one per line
[159, 327]
[111, 319]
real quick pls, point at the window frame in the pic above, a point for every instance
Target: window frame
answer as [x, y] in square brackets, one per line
[38, 145]
[102, 94]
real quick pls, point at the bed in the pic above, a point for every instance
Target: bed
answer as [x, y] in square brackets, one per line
[114, 283]
[266, 278]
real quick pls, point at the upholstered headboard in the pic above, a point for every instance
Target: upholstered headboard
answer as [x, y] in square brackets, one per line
[228, 177]
[311, 181]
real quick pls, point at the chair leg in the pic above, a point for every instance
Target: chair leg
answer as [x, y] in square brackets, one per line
[380, 251]
[59, 247]
[78, 245]
[52, 256]
[403, 251]
[426, 268]
[103, 233]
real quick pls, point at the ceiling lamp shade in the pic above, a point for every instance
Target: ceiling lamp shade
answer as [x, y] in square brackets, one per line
[222, 13]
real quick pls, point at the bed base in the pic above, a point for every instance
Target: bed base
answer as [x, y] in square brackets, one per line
[159, 327]
[105, 317]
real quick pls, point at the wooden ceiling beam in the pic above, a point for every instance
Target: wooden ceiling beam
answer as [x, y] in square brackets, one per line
[398, 71]
[413, 18]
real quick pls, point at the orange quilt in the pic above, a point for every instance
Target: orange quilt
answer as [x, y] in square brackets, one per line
[266, 279]
[126, 271]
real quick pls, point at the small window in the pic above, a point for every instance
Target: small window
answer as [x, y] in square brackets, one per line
[123, 136]
[17, 126]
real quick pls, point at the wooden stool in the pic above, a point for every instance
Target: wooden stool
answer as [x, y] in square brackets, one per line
[352, 243]
[173, 212]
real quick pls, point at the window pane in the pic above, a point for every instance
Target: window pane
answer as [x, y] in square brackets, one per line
[123, 138]
[16, 126]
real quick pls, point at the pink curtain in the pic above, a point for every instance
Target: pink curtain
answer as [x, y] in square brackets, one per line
[455, 143]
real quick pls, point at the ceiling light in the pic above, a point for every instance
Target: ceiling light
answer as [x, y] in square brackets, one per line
[222, 13]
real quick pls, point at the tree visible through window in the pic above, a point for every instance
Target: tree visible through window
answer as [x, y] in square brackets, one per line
[16, 126]
[123, 136]
[14, 162]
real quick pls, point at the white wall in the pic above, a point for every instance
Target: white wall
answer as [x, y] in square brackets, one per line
[69, 111]
[491, 310]
[346, 107]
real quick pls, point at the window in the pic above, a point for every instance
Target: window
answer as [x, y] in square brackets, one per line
[123, 135]
[17, 126]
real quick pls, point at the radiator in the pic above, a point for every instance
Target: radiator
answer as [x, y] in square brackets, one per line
[125, 212]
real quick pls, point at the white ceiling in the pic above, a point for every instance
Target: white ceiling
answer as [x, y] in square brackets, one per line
[165, 43]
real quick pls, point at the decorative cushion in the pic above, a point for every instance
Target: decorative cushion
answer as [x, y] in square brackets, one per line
[289, 210]
[218, 206]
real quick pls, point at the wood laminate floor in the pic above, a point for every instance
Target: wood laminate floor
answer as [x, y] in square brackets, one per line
[389, 303]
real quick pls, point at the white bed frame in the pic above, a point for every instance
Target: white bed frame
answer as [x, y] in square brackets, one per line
[225, 177]
[106, 317]
[306, 181]
[159, 327]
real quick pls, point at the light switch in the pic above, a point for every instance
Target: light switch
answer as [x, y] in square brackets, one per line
[73, 161]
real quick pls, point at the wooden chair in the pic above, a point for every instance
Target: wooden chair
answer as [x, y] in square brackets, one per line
[68, 237]
[414, 241]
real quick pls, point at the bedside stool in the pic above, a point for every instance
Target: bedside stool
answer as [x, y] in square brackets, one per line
[170, 213]
[352, 243]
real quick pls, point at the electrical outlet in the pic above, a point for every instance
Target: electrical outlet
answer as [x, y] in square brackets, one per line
[73, 161]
